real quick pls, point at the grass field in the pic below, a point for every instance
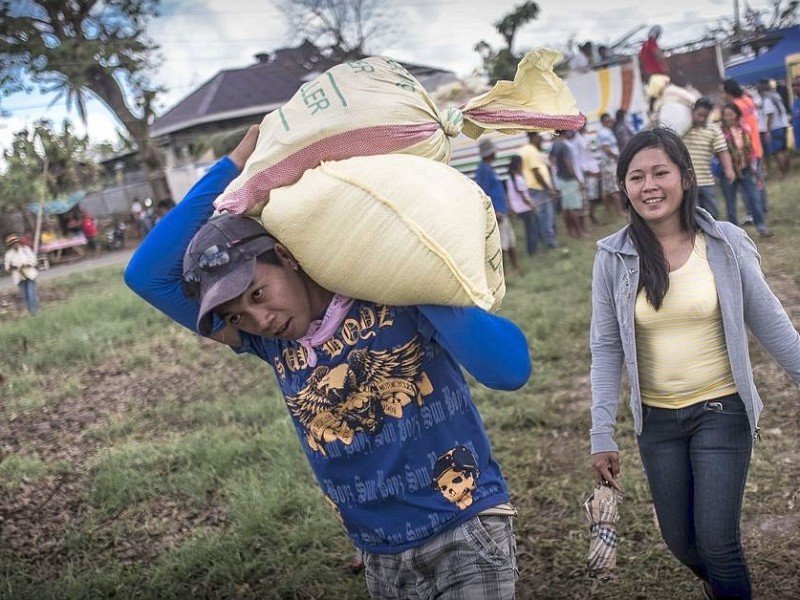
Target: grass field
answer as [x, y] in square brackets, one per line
[140, 461]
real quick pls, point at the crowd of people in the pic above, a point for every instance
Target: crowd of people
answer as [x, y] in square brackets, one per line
[735, 143]
[651, 58]
[573, 176]
[377, 393]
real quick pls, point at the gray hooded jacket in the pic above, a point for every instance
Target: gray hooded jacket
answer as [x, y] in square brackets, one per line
[744, 298]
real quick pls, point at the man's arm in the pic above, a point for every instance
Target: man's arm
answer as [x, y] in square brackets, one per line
[492, 349]
[156, 269]
[569, 162]
[609, 152]
[769, 112]
[537, 175]
[727, 165]
[662, 60]
[720, 148]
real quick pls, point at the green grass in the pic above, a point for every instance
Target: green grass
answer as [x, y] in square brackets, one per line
[183, 476]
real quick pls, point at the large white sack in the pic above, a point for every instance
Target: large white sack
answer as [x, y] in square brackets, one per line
[396, 229]
[374, 106]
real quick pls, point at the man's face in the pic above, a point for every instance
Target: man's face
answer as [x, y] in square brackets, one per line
[276, 304]
[700, 116]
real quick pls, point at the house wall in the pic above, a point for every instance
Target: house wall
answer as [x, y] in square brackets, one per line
[115, 199]
[181, 179]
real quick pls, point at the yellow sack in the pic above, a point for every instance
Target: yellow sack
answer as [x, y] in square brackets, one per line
[396, 229]
[374, 106]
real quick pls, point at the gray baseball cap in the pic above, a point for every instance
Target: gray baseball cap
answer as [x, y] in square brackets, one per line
[220, 262]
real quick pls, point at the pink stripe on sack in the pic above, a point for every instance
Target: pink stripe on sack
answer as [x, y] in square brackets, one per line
[526, 119]
[383, 139]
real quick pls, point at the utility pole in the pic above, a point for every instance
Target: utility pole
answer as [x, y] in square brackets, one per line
[736, 15]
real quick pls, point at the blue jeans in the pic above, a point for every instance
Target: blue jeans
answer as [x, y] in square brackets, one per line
[696, 459]
[27, 288]
[707, 198]
[530, 221]
[547, 216]
[761, 184]
[753, 199]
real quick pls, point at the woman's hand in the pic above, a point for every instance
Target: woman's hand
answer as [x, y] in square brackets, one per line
[606, 468]
[242, 152]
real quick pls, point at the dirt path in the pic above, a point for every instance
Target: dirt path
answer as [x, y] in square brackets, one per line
[104, 260]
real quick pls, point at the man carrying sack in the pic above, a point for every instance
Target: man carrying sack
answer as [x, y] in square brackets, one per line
[375, 392]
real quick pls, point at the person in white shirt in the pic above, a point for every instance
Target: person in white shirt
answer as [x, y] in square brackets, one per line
[582, 61]
[590, 167]
[609, 152]
[20, 261]
[773, 122]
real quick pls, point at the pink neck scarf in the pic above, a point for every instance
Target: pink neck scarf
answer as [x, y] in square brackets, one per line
[321, 330]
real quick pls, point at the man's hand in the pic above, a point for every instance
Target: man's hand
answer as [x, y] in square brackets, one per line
[730, 175]
[606, 468]
[242, 152]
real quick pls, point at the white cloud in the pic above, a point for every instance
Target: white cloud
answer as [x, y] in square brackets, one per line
[202, 38]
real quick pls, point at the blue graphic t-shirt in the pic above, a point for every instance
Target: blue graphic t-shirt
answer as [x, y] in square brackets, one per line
[796, 122]
[389, 427]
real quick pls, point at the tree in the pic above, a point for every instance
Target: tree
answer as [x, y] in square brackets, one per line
[502, 64]
[69, 166]
[341, 28]
[82, 47]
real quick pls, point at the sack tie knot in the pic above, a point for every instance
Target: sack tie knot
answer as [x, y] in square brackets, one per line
[452, 121]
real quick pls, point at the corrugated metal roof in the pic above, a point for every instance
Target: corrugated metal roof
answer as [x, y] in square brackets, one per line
[260, 88]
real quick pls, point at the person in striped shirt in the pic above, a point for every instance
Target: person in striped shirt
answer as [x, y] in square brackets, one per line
[703, 142]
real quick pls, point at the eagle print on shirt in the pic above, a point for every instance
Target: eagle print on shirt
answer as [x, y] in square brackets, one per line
[358, 395]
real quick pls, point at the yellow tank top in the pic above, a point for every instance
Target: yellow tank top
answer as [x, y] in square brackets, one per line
[681, 347]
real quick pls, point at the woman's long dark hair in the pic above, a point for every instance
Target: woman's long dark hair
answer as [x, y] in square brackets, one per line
[653, 267]
[514, 167]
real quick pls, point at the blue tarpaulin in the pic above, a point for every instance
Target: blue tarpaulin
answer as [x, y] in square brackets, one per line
[58, 206]
[771, 64]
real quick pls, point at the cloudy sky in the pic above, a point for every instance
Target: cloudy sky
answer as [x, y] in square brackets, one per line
[200, 37]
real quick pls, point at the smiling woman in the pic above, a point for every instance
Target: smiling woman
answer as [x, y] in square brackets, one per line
[673, 294]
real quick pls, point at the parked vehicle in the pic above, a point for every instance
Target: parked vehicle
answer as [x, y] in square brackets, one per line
[115, 235]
